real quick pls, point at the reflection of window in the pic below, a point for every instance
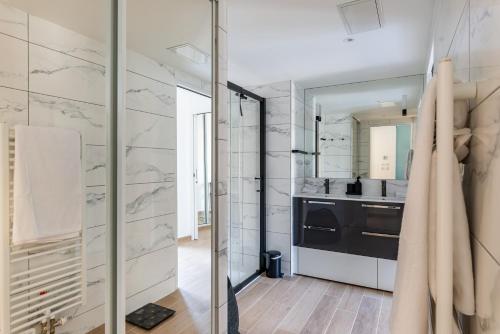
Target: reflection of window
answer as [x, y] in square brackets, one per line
[389, 148]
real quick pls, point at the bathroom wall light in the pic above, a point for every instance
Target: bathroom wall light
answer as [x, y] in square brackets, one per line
[190, 52]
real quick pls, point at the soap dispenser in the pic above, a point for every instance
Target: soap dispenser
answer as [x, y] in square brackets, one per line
[358, 186]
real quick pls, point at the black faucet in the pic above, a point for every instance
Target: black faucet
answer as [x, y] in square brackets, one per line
[327, 186]
[384, 188]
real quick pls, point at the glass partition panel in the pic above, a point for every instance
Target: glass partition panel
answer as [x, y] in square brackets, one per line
[53, 79]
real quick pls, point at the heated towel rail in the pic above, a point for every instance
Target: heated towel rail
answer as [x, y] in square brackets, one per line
[38, 281]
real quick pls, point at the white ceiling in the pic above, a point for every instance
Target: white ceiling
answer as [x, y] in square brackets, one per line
[302, 40]
[152, 26]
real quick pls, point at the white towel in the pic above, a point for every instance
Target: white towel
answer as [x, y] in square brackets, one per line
[48, 195]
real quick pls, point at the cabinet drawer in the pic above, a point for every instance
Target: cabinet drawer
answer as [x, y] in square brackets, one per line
[386, 274]
[347, 268]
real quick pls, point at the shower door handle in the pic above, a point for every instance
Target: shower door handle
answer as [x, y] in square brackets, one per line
[260, 184]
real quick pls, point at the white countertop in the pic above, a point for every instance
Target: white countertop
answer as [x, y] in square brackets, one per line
[352, 197]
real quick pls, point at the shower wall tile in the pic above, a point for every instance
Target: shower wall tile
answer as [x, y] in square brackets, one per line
[147, 165]
[146, 236]
[13, 106]
[484, 43]
[249, 193]
[96, 246]
[161, 289]
[278, 89]
[150, 200]
[150, 68]
[280, 242]
[250, 164]
[95, 213]
[96, 291]
[13, 22]
[278, 192]
[251, 216]
[144, 272]
[447, 14]
[278, 137]
[86, 322]
[251, 112]
[53, 36]
[249, 140]
[298, 137]
[278, 110]
[50, 71]
[250, 241]
[459, 49]
[87, 118]
[278, 219]
[148, 130]
[145, 94]
[278, 165]
[95, 169]
[13, 67]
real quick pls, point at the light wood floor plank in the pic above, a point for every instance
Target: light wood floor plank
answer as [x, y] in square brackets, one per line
[270, 319]
[351, 298]
[342, 322]
[385, 314]
[321, 316]
[299, 314]
[367, 317]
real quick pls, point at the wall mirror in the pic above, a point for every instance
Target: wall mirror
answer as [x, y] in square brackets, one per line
[363, 129]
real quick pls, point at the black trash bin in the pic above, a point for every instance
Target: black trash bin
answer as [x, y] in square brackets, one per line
[274, 264]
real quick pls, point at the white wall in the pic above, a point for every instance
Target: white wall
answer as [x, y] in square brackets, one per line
[188, 104]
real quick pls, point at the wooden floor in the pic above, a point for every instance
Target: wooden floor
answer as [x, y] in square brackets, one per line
[302, 304]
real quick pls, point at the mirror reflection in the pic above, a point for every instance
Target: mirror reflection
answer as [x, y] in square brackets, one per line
[363, 129]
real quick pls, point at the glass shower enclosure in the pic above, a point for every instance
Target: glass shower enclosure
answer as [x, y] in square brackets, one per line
[247, 225]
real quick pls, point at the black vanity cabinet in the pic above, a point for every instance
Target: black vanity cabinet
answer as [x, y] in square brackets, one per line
[347, 240]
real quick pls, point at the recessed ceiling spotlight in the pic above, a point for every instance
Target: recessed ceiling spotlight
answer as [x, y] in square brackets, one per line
[348, 40]
[190, 52]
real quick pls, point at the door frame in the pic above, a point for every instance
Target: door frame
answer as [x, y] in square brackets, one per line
[262, 162]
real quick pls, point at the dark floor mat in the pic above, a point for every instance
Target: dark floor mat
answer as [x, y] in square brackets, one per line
[149, 316]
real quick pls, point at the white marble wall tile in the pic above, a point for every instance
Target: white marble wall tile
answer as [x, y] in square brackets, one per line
[13, 22]
[96, 291]
[278, 110]
[145, 236]
[236, 240]
[224, 114]
[95, 212]
[278, 137]
[150, 68]
[250, 265]
[56, 37]
[250, 164]
[250, 241]
[145, 94]
[150, 165]
[51, 71]
[222, 52]
[277, 89]
[335, 163]
[13, 106]
[298, 112]
[250, 216]
[309, 166]
[144, 272]
[152, 294]
[278, 219]
[459, 49]
[187, 80]
[224, 164]
[150, 200]
[153, 131]
[249, 141]
[85, 322]
[13, 67]
[251, 112]
[278, 164]
[87, 118]
[236, 190]
[249, 192]
[297, 165]
[446, 15]
[278, 192]
[95, 169]
[222, 313]
[222, 274]
[224, 212]
[281, 242]
[484, 41]
[96, 246]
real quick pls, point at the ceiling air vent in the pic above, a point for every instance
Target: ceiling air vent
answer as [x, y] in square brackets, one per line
[360, 15]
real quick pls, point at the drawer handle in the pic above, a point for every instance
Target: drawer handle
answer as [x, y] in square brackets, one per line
[317, 228]
[381, 235]
[378, 206]
[319, 202]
